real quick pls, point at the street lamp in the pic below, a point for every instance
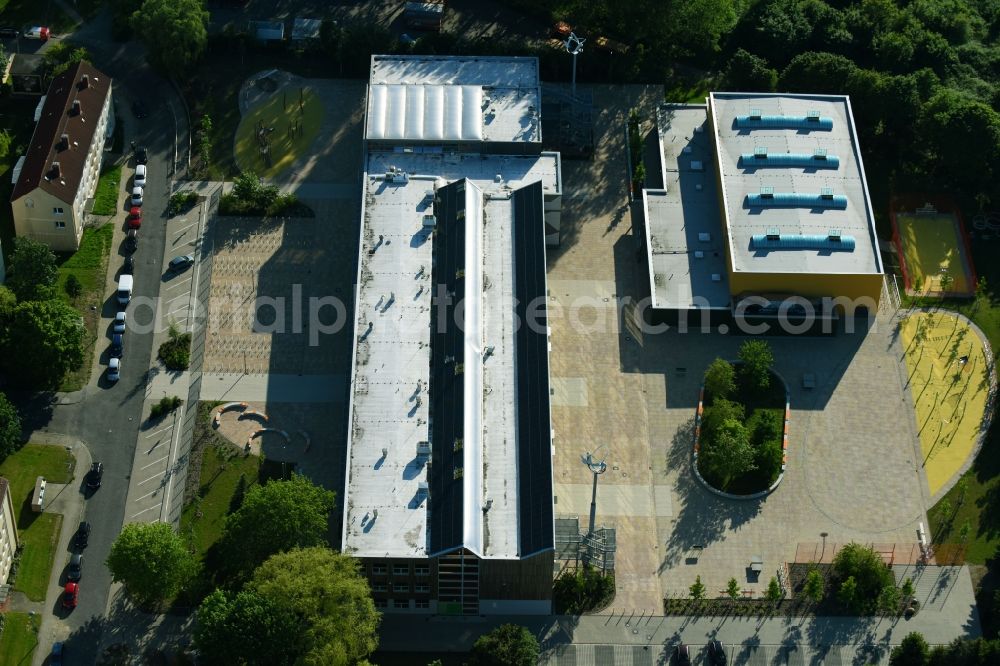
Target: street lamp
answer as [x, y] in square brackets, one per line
[574, 46]
[597, 467]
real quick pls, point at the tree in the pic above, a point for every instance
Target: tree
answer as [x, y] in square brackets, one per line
[720, 411]
[247, 628]
[275, 517]
[815, 586]
[151, 560]
[962, 488]
[73, 286]
[10, 428]
[965, 531]
[726, 452]
[699, 25]
[907, 590]
[61, 56]
[175, 33]
[44, 342]
[773, 593]
[848, 592]
[747, 72]
[583, 590]
[329, 597]
[870, 574]
[720, 378]
[507, 645]
[697, 589]
[912, 651]
[32, 272]
[757, 361]
[808, 70]
[733, 589]
[888, 600]
[944, 511]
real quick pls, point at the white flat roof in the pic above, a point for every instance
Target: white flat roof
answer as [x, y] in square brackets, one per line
[684, 240]
[392, 367]
[739, 181]
[454, 99]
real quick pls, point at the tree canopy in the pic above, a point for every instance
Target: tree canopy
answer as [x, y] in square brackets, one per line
[870, 575]
[720, 378]
[32, 271]
[151, 560]
[329, 597]
[507, 645]
[44, 341]
[246, 628]
[757, 361]
[10, 428]
[175, 33]
[272, 518]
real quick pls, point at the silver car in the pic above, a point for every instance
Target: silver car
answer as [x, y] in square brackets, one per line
[136, 196]
[114, 369]
[120, 322]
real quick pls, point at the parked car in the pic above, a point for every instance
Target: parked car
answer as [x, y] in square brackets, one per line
[132, 240]
[39, 32]
[141, 156]
[128, 266]
[95, 476]
[119, 325]
[134, 217]
[137, 195]
[71, 595]
[682, 657]
[8, 32]
[75, 569]
[139, 179]
[56, 656]
[114, 369]
[139, 109]
[117, 345]
[82, 537]
[178, 264]
[716, 653]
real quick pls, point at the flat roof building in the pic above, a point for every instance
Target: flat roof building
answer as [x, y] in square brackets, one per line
[448, 499]
[793, 216]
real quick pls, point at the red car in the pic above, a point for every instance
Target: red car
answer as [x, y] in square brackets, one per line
[134, 217]
[71, 594]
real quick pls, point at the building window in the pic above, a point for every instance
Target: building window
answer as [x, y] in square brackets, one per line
[378, 569]
[400, 587]
[381, 603]
[401, 570]
[422, 570]
[57, 211]
[422, 603]
[378, 587]
[60, 225]
[400, 603]
[421, 587]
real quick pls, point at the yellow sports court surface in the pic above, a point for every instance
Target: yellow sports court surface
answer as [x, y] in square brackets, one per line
[949, 380]
[932, 249]
[286, 123]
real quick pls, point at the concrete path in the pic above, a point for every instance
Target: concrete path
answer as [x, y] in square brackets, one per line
[647, 640]
[273, 388]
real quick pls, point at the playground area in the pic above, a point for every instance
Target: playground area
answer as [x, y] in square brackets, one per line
[278, 126]
[952, 382]
[934, 252]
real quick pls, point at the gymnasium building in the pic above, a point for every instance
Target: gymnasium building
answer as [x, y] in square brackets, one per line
[448, 498]
[764, 210]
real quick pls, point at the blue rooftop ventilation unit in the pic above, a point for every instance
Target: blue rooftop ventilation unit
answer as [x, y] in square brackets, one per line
[761, 158]
[832, 242]
[768, 198]
[811, 121]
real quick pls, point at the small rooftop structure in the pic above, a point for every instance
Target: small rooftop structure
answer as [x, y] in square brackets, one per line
[454, 99]
[304, 29]
[267, 31]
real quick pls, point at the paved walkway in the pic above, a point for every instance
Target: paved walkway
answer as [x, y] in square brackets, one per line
[646, 640]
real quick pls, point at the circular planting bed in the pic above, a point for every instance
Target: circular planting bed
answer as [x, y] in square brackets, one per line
[741, 431]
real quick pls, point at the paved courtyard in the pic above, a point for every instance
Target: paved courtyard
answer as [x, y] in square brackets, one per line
[853, 465]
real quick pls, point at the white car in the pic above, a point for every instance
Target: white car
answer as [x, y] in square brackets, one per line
[140, 175]
[136, 196]
[120, 322]
[114, 369]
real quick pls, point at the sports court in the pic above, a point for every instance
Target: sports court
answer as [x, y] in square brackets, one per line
[277, 131]
[933, 248]
[949, 379]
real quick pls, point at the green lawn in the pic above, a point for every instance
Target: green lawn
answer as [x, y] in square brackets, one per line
[19, 639]
[108, 187]
[38, 532]
[219, 477]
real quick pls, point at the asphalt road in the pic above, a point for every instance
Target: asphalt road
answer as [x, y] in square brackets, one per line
[107, 417]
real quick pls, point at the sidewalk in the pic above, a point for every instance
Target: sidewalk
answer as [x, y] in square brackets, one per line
[69, 501]
[564, 638]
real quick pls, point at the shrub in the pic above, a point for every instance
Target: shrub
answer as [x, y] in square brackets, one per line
[757, 360]
[166, 405]
[720, 378]
[73, 286]
[176, 352]
[870, 575]
[182, 202]
[581, 591]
